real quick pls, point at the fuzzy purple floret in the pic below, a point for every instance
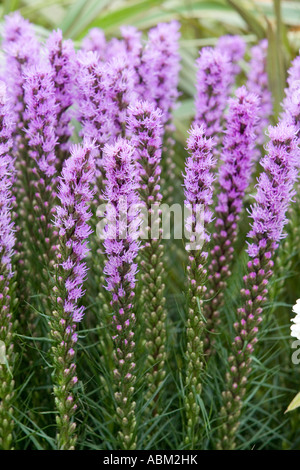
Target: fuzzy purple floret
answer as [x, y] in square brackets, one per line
[7, 237]
[40, 116]
[72, 216]
[274, 189]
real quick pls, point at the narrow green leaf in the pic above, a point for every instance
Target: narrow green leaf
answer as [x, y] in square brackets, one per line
[295, 403]
[125, 15]
[252, 21]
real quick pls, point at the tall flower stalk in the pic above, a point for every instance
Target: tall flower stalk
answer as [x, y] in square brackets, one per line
[21, 51]
[159, 77]
[274, 194]
[234, 47]
[198, 184]
[40, 117]
[72, 215]
[257, 82]
[121, 246]
[145, 128]
[61, 56]
[7, 242]
[234, 177]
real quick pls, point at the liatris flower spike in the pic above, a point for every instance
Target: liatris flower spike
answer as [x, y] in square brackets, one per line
[7, 241]
[198, 190]
[40, 116]
[274, 194]
[257, 82]
[22, 50]
[212, 88]
[121, 246]
[145, 128]
[61, 56]
[160, 67]
[94, 107]
[95, 41]
[234, 47]
[295, 328]
[71, 221]
[291, 102]
[234, 177]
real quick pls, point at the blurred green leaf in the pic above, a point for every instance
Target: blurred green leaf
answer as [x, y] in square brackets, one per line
[81, 16]
[253, 21]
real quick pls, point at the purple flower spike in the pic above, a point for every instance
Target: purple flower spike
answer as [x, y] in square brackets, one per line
[120, 84]
[72, 216]
[40, 117]
[22, 50]
[198, 183]
[71, 221]
[121, 246]
[198, 180]
[234, 177]
[7, 238]
[258, 83]
[132, 39]
[61, 56]
[160, 67]
[145, 128]
[274, 189]
[291, 102]
[121, 188]
[95, 41]
[213, 81]
[274, 194]
[234, 47]
[7, 242]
